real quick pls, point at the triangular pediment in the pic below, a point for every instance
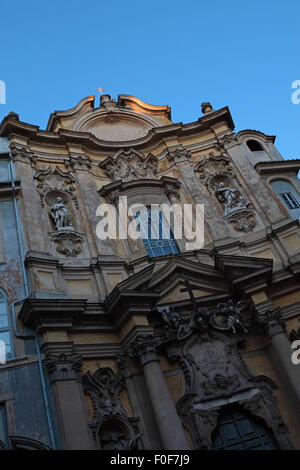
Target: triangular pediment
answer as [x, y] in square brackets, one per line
[162, 285]
[179, 293]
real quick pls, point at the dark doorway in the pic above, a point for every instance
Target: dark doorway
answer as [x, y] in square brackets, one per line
[238, 430]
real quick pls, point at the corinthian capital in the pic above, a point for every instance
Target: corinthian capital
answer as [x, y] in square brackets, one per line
[143, 347]
[64, 367]
[270, 322]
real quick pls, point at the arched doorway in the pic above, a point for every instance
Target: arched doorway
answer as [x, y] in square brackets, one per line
[239, 430]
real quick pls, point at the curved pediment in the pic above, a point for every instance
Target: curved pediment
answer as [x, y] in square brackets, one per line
[124, 120]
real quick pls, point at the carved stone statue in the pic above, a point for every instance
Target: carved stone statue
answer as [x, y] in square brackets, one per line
[61, 215]
[116, 442]
[231, 198]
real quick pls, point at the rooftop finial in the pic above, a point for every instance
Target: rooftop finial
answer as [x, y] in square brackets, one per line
[206, 107]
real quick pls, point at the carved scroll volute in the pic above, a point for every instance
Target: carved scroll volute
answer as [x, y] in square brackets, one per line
[200, 424]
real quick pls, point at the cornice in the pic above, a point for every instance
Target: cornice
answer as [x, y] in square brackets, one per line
[56, 115]
[122, 187]
[278, 167]
[10, 125]
[254, 132]
[9, 187]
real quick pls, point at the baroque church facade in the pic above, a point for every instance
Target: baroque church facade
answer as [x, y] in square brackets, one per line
[145, 344]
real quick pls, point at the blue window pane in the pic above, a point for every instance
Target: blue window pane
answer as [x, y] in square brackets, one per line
[3, 425]
[158, 238]
[5, 346]
[4, 171]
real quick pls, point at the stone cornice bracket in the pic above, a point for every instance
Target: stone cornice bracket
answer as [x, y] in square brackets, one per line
[144, 347]
[23, 154]
[64, 367]
[78, 161]
[128, 165]
[270, 322]
[179, 155]
[227, 141]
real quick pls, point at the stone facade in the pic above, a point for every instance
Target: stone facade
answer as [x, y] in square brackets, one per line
[140, 352]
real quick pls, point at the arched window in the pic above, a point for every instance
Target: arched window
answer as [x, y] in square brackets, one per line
[239, 430]
[5, 334]
[156, 233]
[255, 146]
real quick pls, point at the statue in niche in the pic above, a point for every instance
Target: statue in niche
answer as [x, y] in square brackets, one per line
[60, 215]
[228, 197]
[114, 441]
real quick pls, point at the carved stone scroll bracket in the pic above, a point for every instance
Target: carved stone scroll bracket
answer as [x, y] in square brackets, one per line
[178, 155]
[199, 423]
[227, 141]
[263, 405]
[78, 162]
[23, 154]
[67, 242]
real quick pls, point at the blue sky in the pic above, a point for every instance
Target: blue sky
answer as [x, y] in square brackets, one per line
[241, 54]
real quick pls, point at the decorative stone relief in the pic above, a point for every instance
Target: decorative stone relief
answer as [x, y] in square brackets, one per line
[226, 316]
[78, 162]
[212, 166]
[178, 155]
[199, 423]
[217, 175]
[53, 179]
[214, 375]
[130, 165]
[23, 154]
[56, 189]
[263, 405]
[111, 427]
[68, 243]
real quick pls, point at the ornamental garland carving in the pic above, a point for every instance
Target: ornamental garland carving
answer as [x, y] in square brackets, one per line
[130, 165]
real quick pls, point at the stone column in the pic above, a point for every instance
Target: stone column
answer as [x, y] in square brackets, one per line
[272, 324]
[169, 424]
[71, 409]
